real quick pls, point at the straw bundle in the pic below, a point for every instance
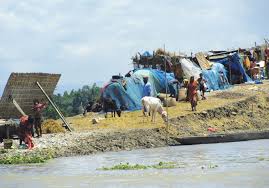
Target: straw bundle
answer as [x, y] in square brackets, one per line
[52, 126]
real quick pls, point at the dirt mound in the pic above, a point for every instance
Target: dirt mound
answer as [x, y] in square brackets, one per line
[248, 114]
[229, 95]
[52, 126]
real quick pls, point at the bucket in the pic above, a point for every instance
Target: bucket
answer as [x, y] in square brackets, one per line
[7, 143]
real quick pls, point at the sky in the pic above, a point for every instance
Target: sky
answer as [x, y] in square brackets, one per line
[88, 41]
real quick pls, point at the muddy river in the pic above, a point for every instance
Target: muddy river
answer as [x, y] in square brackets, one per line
[240, 164]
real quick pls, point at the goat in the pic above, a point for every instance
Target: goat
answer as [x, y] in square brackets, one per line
[153, 105]
[111, 106]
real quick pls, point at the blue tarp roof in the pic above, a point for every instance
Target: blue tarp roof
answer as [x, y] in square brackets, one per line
[236, 66]
[213, 77]
[131, 96]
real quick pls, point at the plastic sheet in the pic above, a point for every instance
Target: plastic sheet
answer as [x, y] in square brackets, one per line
[130, 97]
[236, 63]
[190, 68]
[216, 77]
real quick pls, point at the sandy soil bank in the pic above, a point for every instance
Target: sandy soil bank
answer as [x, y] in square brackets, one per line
[238, 109]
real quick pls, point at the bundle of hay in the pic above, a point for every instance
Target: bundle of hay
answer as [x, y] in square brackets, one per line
[52, 126]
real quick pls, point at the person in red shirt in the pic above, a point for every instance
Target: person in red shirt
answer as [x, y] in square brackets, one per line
[37, 108]
[192, 93]
[26, 127]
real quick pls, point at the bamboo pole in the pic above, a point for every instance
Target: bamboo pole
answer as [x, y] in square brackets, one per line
[54, 106]
[166, 90]
[18, 107]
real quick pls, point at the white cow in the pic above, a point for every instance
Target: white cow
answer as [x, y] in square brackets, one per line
[153, 105]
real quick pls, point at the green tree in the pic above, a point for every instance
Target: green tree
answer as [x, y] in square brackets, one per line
[71, 103]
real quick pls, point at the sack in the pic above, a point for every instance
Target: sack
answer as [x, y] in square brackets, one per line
[205, 86]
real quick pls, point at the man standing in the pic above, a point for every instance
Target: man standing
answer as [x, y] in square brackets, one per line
[147, 90]
[266, 60]
[37, 108]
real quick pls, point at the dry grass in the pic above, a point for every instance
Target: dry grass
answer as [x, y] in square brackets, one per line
[52, 126]
[133, 120]
[137, 120]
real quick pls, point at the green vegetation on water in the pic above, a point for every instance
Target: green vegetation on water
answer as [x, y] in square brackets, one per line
[127, 166]
[27, 157]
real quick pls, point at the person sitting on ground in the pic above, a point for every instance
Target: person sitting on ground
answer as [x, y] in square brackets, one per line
[37, 108]
[202, 87]
[192, 93]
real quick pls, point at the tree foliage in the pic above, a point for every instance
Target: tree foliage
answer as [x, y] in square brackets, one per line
[71, 103]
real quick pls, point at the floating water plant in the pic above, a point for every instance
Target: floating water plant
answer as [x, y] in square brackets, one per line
[127, 166]
[27, 158]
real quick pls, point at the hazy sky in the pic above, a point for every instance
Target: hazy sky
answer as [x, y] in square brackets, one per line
[88, 41]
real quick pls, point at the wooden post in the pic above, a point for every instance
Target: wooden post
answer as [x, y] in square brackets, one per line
[54, 106]
[18, 107]
[230, 71]
[166, 90]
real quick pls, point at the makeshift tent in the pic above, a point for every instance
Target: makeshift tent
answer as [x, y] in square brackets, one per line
[189, 68]
[234, 64]
[216, 77]
[129, 96]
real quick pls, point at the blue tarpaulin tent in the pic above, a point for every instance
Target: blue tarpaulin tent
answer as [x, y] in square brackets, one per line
[216, 77]
[130, 96]
[237, 69]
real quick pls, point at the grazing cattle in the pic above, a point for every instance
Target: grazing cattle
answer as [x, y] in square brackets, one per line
[97, 107]
[88, 108]
[111, 106]
[153, 105]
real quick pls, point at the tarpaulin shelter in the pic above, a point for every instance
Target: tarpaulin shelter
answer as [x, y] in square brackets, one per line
[216, 77]
[189, 68]
[233, 63]
[128, 96]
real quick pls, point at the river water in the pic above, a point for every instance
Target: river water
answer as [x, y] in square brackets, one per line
[239, 164]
